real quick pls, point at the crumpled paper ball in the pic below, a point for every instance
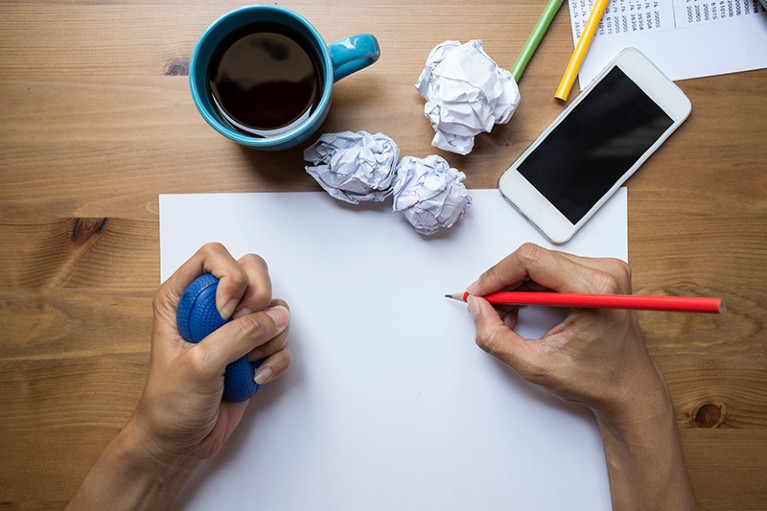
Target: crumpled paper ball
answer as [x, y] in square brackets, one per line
[354, 167]
[466, 93]
[430, 193]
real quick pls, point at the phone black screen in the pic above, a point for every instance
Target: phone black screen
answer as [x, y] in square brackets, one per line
[600, 139]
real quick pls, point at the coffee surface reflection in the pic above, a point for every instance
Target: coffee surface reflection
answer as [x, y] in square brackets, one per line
[264, 79]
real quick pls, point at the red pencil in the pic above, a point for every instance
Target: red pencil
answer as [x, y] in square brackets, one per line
[650, 303]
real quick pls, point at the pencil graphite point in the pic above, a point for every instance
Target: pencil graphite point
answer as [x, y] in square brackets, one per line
[455, 296]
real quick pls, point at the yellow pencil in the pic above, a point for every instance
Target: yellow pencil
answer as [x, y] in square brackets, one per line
[581, 49]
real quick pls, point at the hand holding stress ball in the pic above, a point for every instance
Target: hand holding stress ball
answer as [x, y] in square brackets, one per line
[197, 317]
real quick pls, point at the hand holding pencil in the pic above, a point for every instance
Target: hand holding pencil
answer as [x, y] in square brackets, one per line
[595, 357]
[593, 354]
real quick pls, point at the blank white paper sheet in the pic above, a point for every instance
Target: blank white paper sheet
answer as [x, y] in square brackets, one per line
[389, 404]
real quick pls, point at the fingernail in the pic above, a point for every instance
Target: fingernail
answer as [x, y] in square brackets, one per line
[280, 315]
[472, 286]
[229, 308]
[473, 305]
[263, 374]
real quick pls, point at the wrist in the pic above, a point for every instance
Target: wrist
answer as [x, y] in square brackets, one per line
[639, 396]
[143, 450]
[639, 406]
[128, 476]
[157, 476]
[644, 456]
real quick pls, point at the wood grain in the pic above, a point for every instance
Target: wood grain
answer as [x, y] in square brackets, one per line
[96, 121]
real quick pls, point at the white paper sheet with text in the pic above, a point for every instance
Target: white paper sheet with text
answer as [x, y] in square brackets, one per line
[684, 38]
[389, 404]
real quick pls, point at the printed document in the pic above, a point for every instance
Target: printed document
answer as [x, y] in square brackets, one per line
[684, 38]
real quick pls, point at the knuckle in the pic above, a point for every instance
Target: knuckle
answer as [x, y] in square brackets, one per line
[249, 326]
[238, 278]
[607, 282]
[254, 260]
[262, 296]
[212, 248]
[622, 271]
[614, 277]
[529, 252]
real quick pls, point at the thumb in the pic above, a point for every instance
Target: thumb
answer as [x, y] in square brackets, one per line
[494, 337]
[236, 338]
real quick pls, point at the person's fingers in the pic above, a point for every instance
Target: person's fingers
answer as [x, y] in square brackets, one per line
[509, 316]
[495, 337]
[258, 294]
[273, 345]
[242, 335]
[544, 267]
[553, 270]
[272, 367]
[210, 258]
[612, 272]
[506, 273]
[270, 347]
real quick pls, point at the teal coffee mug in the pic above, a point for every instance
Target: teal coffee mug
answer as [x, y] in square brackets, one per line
[262, 76]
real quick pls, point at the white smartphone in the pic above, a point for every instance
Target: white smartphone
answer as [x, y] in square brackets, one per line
[594, 145]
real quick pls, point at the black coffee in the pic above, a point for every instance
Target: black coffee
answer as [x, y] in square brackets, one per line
[264, 76]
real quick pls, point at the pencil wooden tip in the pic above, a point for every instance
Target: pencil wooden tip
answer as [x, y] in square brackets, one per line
[455, 296]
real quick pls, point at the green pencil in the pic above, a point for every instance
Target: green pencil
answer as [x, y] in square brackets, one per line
[535, 38]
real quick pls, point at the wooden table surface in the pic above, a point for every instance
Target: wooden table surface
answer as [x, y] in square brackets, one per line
[96, 120]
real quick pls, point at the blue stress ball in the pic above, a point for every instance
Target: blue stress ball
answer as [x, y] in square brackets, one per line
[197, 317]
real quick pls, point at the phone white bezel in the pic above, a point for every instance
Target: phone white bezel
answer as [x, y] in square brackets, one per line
[534, 205]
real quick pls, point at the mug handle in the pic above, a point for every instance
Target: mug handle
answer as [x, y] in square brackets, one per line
[353, 53]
